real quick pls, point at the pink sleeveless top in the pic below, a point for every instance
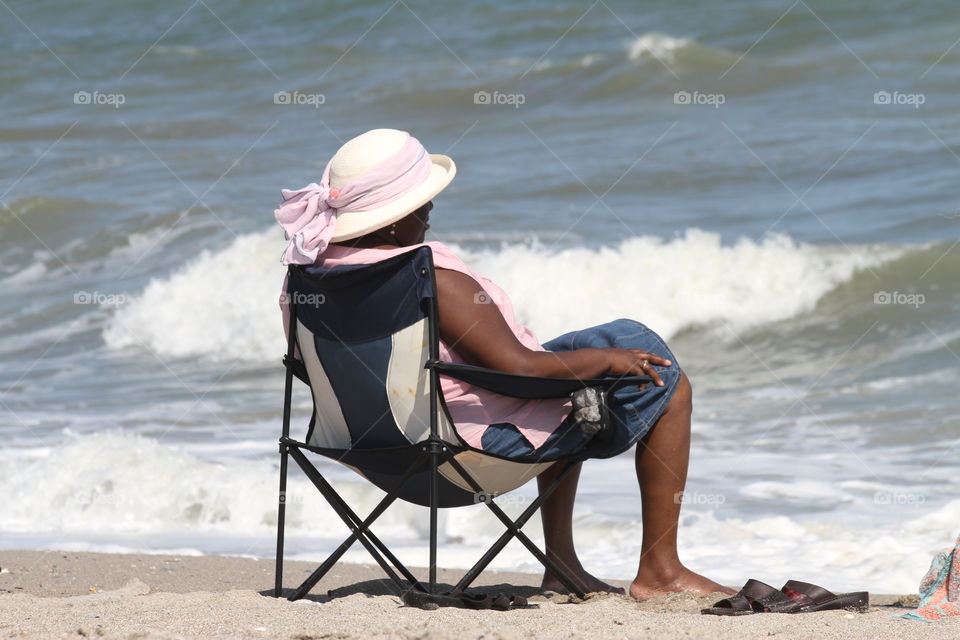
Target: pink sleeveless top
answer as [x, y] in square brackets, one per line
[473, 409]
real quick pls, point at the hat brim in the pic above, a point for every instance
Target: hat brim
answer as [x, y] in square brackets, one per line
[353, 224]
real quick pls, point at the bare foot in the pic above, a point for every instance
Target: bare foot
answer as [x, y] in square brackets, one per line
[584, 580]
[681, 580]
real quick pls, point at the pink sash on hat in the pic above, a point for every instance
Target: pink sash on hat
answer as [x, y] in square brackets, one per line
[309, 215]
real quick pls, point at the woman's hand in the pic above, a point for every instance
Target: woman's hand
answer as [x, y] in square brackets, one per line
[634, 362]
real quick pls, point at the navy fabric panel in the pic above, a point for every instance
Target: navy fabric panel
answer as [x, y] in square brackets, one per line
[385, 468]
[357, 303]
[392, 461]
[358, 374]
[417, 489]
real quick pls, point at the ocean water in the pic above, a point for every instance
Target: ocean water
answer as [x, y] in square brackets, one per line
[770, 186]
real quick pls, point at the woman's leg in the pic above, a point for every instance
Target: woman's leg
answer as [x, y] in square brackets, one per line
[661, 460]
[557, 517]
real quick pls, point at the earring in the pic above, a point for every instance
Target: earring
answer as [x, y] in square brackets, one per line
[393, 229]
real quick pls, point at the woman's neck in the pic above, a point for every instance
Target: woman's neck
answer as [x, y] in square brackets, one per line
[366, 243]
[369, 243]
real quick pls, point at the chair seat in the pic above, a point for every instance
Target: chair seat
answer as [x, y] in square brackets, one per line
[386, 467]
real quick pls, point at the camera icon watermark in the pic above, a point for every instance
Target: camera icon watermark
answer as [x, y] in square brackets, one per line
[698, 98]
[912, 299]
[498, 98]
[482, 297]
[115, 100]
[100, 299]
[897, 98]
[695, 497]
[285, 498]
[299, 98]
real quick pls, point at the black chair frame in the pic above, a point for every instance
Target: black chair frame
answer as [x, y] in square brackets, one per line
[432, 453]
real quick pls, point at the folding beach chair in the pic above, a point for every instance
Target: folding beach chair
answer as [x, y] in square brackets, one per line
[367, 339]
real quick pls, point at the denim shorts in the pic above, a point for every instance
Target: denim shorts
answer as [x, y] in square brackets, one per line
[632, 412]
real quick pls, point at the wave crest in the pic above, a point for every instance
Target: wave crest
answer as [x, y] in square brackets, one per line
[672, 50]
[223, 305]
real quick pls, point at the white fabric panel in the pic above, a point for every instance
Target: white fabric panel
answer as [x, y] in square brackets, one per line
[408, 385]
[331, 427]
[494, 475]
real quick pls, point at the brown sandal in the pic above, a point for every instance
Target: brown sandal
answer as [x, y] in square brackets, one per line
[794, 597]
[809, 597]
[754, 597]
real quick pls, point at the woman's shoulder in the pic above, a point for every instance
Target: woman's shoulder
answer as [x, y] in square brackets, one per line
[444, 257]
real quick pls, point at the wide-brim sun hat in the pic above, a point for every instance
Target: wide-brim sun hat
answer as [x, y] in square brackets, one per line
[373, 180]
[359, 155]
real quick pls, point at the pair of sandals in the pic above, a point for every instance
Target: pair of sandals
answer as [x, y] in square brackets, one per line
[794, 597]
[463, 600]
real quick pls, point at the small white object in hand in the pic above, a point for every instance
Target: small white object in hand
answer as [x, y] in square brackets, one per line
[586, 409]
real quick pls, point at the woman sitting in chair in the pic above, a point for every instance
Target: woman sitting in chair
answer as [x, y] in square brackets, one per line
[373, 202]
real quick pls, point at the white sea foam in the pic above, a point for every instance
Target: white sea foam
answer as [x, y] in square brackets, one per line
[113, 482]
[223, 304]
[648, 47]
[590, 59]
[809, 491]
[668, 284]
[31, 273]
[657, 45]
[120, 492]
[671, 50]
[50, 334]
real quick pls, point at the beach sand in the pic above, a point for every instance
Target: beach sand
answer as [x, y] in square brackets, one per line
[59, 594]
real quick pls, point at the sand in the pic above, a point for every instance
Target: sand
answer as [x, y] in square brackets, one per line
[56, 594]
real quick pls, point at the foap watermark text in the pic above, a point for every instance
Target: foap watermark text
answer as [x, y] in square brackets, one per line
[497, 98]
[896, 297]
[115, 100]
[698, 98]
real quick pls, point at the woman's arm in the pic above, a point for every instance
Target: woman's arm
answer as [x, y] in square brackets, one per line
[479, 333]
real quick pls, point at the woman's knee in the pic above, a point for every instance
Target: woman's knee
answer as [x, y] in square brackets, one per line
[683, 395]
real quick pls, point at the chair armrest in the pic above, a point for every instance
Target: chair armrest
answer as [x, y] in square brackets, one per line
[528, 387]
[298, 368]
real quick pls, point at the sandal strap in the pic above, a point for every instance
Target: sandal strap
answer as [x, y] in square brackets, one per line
[755, 590]
[736, 602]
[805, 594]
[754, 596]
[776, 602]
[765, 598]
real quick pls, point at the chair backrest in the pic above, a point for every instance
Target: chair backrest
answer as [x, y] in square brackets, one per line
[364, 333]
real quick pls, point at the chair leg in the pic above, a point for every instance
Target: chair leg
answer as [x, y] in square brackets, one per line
[513, 530]
[434, 497]
[359, 528]
[281, 516]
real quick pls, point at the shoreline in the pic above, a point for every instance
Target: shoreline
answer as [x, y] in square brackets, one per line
[105, 595]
